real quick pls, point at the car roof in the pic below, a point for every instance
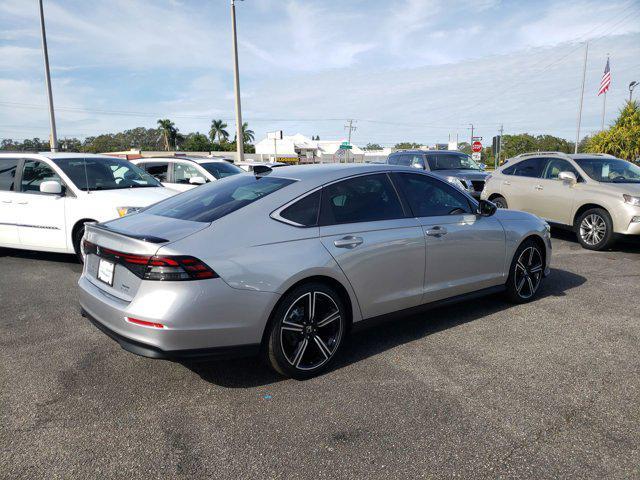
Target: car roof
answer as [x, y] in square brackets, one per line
[326, 172]
[190, 159]
[54, 155]
[428, 152]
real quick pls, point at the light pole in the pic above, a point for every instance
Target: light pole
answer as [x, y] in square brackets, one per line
[632, 85]
[53, 139]
[236, 75]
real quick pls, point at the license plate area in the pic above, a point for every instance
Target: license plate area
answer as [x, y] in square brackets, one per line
[105, 271]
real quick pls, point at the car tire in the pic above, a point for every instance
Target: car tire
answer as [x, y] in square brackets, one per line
[77, 243]
[500, 202]
[525, 273]
[306, 332]
[594, 229]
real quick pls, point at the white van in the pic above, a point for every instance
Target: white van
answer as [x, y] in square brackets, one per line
[46, 198]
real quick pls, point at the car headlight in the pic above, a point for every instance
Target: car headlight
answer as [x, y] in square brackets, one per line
[631, 200]
[457, 182]
[122, 211]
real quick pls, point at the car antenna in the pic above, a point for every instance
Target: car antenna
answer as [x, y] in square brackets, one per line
[86, 175]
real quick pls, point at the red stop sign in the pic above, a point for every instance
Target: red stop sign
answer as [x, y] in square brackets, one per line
[476, 147]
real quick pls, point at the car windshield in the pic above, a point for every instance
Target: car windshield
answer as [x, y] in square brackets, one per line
[610, 170]
[221, 169]
[217, 199]
[101, 173]
[448, 161]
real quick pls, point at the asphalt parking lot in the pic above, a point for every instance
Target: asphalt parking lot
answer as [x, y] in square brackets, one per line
[479, 390]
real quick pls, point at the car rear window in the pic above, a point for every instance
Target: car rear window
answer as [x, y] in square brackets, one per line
[217, 199]
[305, 211]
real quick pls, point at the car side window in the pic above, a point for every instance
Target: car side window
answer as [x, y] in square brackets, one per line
[157, 170]
[8, 167]
[417, 161]
[304, 212]
[531, 167]
[429, 197]
[401, 159]
[34, 173]
[365, 198]
[557, 165]
[183, 172]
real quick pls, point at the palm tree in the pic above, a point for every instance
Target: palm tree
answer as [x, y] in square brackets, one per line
[248, 136]
[168, 132]
[218, 130]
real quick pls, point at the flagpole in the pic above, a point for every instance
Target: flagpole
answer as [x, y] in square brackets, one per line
[604, 100]
[584, 74]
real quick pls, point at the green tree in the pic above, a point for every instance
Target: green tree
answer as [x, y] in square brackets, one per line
[248, 136]
[373, 146]
[622, 139]
[218, 131]
[169, 132]
[406, 145]
[196, 142]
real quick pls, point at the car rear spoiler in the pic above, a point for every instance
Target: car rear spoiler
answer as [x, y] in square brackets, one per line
[144, 238]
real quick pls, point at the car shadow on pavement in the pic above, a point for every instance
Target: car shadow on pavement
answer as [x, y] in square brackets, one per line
[623, 243]
[42, 256]
[252, 372]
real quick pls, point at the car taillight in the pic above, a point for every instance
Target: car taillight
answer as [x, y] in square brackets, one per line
[155, 267]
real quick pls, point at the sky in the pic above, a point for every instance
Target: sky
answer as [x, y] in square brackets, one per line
[403, 70]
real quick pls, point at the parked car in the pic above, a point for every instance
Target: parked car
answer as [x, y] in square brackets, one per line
[46, 198]
[249, 165]
[596, 195]
[455, 167]
[185, 173]
[290, 260]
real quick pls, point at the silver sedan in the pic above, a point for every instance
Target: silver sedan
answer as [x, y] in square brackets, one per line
[286, 262]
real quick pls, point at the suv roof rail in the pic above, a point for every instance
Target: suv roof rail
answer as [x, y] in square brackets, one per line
[600, 155]
[535, 154]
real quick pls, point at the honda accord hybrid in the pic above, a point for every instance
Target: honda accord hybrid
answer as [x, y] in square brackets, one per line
[286, 262]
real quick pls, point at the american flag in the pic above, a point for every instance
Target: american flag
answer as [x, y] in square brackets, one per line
[605, 83]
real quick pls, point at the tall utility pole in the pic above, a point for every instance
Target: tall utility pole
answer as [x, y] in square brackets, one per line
[497, 160]
[236, 75]
[351, 128]
[632, 85]
[53, 137]
[471, 143]
[584, 74]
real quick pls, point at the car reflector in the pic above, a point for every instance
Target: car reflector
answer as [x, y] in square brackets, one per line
[144, 323]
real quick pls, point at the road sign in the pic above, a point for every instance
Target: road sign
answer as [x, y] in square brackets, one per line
[476, 147]
[277, 135]
[345, 146]
[476, 156]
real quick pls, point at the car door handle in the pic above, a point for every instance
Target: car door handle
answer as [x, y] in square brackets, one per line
[348, 242]
[506, 182]
[7, 201]
[23, 203]
[436, 232]
[538, 187]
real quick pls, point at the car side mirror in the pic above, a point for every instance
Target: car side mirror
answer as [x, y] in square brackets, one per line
[486, 208]
[568, 177]
[51, 187]
[197, 180]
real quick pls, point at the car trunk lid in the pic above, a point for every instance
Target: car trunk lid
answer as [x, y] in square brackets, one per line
[133, 238]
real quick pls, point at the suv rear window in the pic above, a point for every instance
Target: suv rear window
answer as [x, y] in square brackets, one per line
[217, 199]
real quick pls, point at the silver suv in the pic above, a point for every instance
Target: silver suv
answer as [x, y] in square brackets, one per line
[595, 194]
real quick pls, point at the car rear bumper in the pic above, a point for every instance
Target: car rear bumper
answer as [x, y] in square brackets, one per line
[197, 316]
[149, 351]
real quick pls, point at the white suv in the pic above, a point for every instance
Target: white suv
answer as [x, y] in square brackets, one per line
[46, 198]
[185, 173]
